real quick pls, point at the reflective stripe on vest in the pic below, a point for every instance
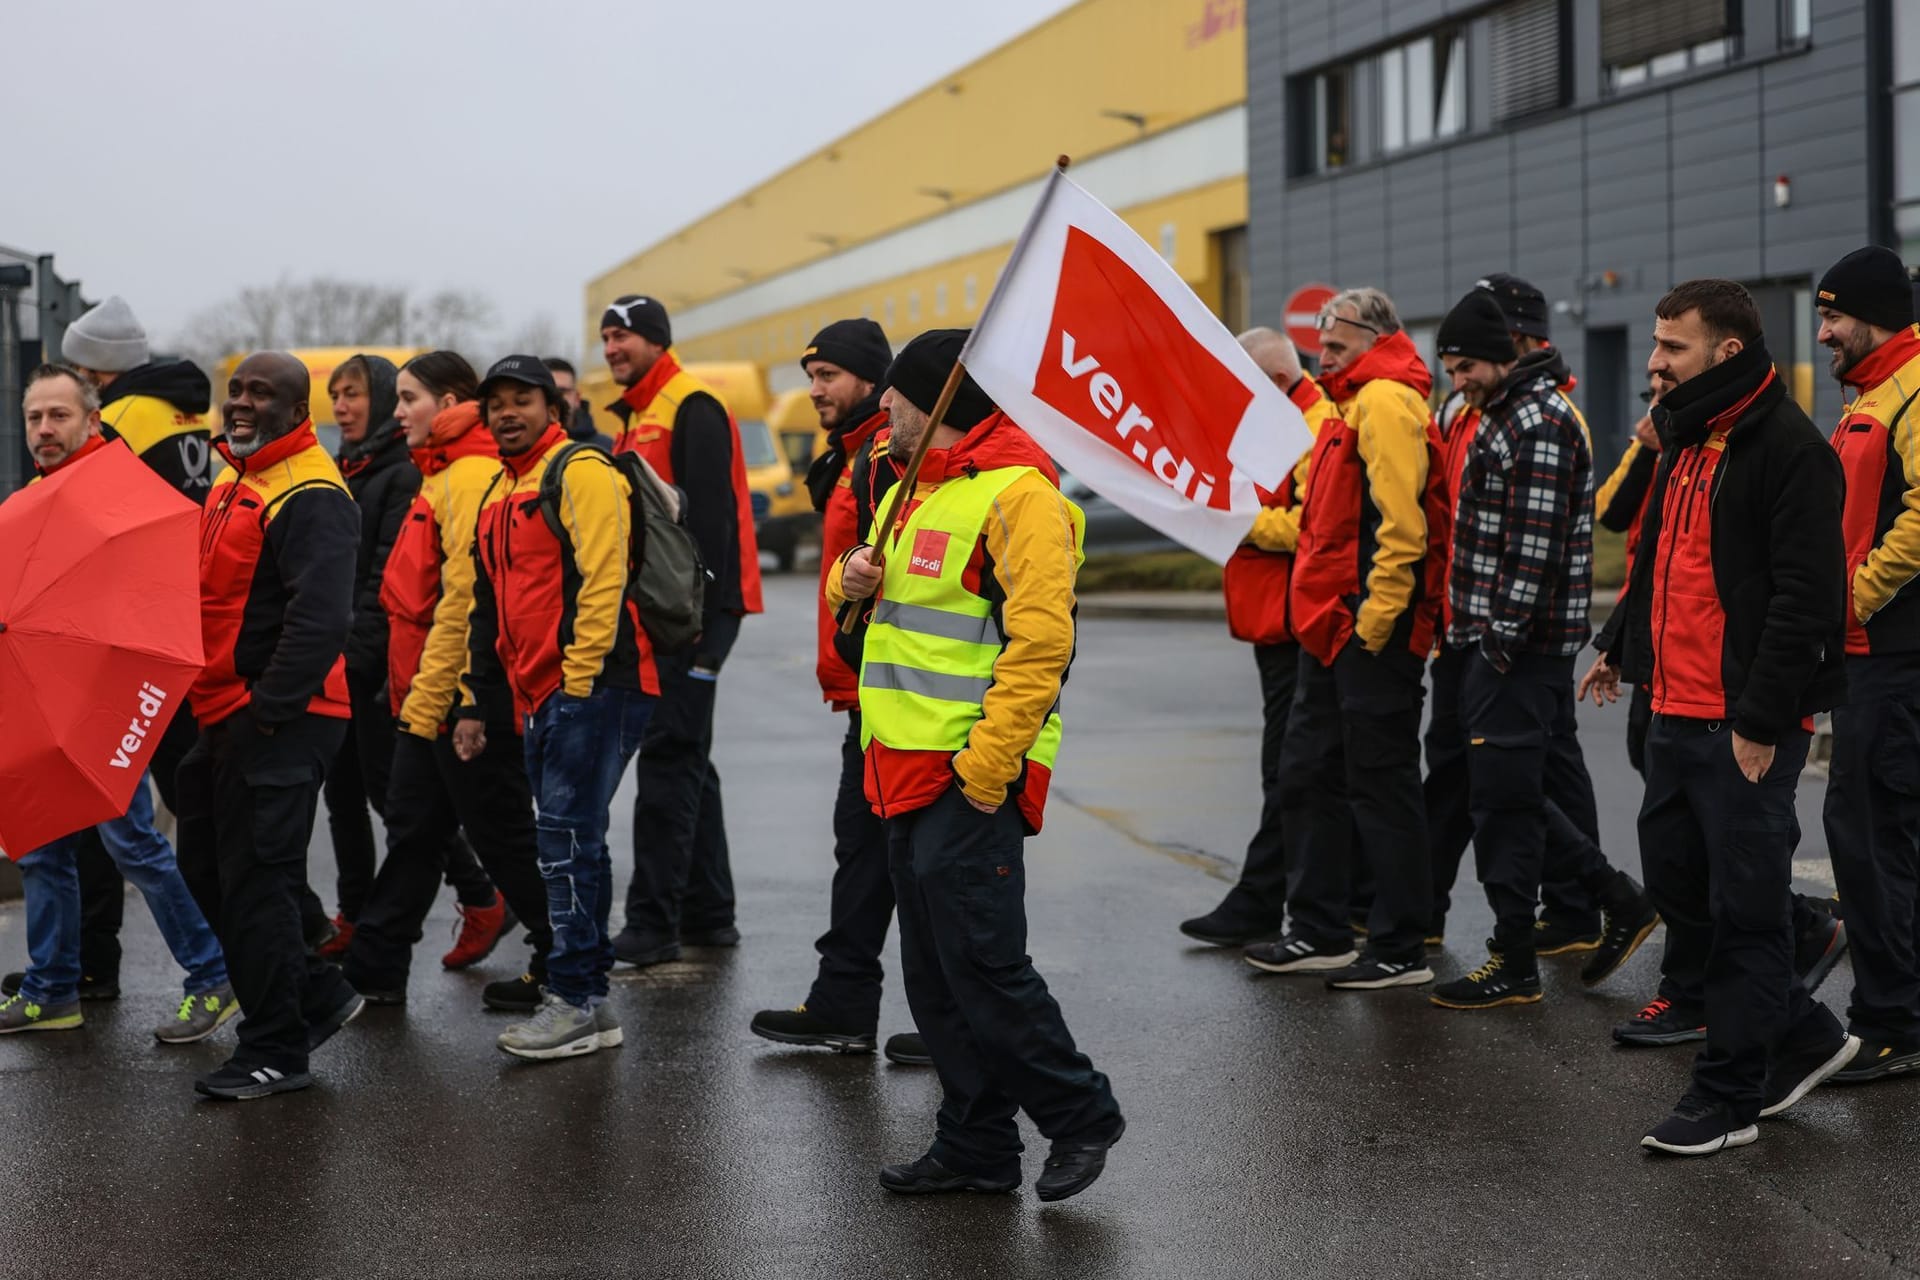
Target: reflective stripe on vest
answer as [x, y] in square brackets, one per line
[928, 658]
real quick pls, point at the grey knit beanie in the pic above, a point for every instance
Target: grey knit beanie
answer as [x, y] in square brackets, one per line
[108, 338]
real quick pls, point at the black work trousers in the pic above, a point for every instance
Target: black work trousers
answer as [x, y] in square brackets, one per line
[247, 805]
[682, 873]
[1572, 817]
[846, 991]
[434, 795]
[1718, 854]
[1350, 800]
[996, 1034]
[103, 891]
[1259, 897]
[1872, 818]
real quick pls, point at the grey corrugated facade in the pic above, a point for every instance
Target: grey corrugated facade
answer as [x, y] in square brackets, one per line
[1665, 181]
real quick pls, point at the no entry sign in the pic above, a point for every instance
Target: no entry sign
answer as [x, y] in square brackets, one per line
[1302, 316]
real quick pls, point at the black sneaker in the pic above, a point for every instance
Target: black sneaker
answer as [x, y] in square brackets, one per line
[724, 936]
[798, 1026]
[512, 995]
[1877, 1060]
[1662, 1023]
[1552, 938]
[1629, 923]
[1699, 1127]
[641, 951]
[1490, 986]
[318, 1033]
[1818, 948]
[1072, 1167]
[236, 1082]
[1223, 928]
[1794, 1072]
[927, 1176]
[908, 1050]
[380, 993]
[1294, 954]
[1375, 973]
[91, 988]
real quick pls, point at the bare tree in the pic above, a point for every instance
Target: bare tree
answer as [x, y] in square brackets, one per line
[331, 312]
[452, 318]
[538, 336]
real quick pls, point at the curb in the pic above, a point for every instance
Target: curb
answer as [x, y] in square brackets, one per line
[1205, 606]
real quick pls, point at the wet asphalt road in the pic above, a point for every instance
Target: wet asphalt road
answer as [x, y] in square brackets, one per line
[1275, 1129]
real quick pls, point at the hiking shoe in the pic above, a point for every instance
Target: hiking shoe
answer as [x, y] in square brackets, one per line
[1491, 985]
[478, 933]
[339, 938]
[199, 1017]
[1699, 1127]
[1551, 938]
[1223, 928]
[91, 988]
[318, 1033]
[1795, 1072]
[236, 1082]
[1662, 1023]
[1376, 973]
[1072, 1167]
[1294, 954]
[725, 936]
[1818, 948]
[927, 1176]
[1629, 922]
[641, 951]
[18, 1013]
[798, 1026]
[512, 995]
[908, 1050]
[556, 1030]
[1877, 1060]
[607, 1027]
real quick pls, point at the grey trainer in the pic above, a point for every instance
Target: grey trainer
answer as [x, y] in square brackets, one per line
[607, 1026]
[556, 1030]
[199, 1017]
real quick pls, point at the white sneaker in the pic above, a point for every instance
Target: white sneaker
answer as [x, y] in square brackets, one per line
[556, 1030]
[607, 1026]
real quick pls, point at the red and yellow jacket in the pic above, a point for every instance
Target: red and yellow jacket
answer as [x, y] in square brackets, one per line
[278, 539]
[550, 613]
[1878, 441]
[1371, 561]
[427, 589]
[840, 533]
[1257, 574]
[658, 408]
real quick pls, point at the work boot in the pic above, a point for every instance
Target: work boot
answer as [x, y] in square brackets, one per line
[199, 1016]
[908, 1050]
[800, 1025]
[927, 1176]
[513, 995]
[1072, 1167]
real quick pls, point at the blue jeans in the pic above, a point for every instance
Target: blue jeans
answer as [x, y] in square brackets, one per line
[577, 748]
[51, 878]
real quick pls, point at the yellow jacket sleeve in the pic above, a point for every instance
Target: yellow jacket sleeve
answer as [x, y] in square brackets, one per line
[1031, 542]
[1389, 421]
[594, 511]
[1278, 528]
[1895, 559]
[443, 660]
[1610, 487]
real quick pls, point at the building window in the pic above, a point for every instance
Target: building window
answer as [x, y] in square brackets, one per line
[1906, 130]
[913, 306]
[940, 298]
[972, 290]
[1324, 109]
[1529, 55]
[1236, 277]
[1643, 40]
[1796, 21]
[1423, 90]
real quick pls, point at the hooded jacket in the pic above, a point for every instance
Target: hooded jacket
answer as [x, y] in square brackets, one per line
[1024, 563]
[1737, 605]
[1255, 578]
[383, 480]
[160, 410]
[1878, 441]
[831, 480]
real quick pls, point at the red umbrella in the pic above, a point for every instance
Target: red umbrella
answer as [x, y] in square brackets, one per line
[99, 640]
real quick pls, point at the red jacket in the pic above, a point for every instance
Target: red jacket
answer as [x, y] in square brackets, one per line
[839, 534]
[1256, 577]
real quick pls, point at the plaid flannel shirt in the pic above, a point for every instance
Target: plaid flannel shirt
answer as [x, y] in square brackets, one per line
[1522, 575]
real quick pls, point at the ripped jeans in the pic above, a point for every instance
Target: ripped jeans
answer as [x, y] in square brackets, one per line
[577, 748]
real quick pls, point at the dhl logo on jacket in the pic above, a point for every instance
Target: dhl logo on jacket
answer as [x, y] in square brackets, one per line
[244, 592]
[1258, 573]
[554, 609]
[427, 588]
[1879, 453]
[1373, 531]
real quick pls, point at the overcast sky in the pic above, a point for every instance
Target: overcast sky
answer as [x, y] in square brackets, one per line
[176, 152]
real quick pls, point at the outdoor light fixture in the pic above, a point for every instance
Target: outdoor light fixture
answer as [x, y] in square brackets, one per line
[1782, 191]
[1133, 118]
[941, 194]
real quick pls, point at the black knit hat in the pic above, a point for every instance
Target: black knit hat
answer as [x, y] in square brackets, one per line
[1870, 284]
[1525, 306]
[921, 370]
[858, 346]
[642, 315]
[1477, 329]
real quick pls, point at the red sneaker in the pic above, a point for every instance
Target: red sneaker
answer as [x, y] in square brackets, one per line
[478, 933]
[335, 948]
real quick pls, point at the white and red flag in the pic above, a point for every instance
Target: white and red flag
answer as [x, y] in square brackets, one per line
[1099, 349]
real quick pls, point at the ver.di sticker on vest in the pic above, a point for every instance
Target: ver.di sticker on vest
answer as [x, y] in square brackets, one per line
[929, 552]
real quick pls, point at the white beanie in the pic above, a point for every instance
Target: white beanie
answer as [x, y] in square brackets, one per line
[107, 338]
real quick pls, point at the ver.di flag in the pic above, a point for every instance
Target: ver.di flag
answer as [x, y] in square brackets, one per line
[1099, 349]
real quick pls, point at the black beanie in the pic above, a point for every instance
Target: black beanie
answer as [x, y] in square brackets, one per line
[1477, 329]
[921, 369]
[858, 346]
[1870, 284]
[1524, 305]
[639, 314]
